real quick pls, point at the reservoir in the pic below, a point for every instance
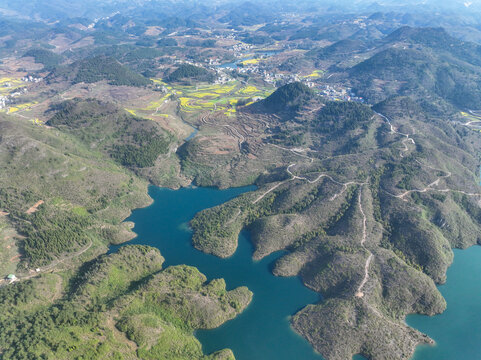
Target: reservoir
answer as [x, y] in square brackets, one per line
[262, 331]
[457, 331]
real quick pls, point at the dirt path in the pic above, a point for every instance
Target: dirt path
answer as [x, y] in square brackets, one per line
[431, 186]
[295, 151]
[270, 190]
[405, 146]
[394, 131]
[304, 178]
[364, 219]
[55, 263]
[34, 208]
[298, 152]
[359, 292]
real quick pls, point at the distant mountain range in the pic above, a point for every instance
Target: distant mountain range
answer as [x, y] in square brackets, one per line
[61, 9]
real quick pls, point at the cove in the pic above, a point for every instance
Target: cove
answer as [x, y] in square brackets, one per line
[262, 331]
[457, 331]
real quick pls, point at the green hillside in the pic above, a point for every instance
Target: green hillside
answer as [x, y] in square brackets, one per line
[132, 141]
[99, 68]
[121, 306]
[422, 62]
[290, 97]
[189, 73]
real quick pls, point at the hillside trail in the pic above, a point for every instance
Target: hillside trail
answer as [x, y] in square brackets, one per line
[432, 186]
[55, 263]
[429, 187]
[408, 137]
[300, 152]
[359, 292]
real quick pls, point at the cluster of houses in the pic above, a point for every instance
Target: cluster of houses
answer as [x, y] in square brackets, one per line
[213, 62]
[32, 79]
[222, 78]
[6, 99]
[328, 91]
[11, 278]
[241, 48]
[229, 36]
[337, 93]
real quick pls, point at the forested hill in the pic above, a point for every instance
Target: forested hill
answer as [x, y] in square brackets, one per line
[99, 68]
[439, 40]
[48, 58]
[360, 133]
[188, 72]
[133, 142]
[423, 63]
[290, 97]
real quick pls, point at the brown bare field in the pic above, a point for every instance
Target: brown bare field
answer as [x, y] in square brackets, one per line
[153, 31]
[124, 95]
[10, 66]
[220, 144]
[62, 43]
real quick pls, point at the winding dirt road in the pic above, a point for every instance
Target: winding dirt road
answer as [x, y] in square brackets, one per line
[55, 263]
[394, 131]
[359, 292]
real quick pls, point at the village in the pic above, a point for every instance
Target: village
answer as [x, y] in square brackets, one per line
[13, 88]
[253, 67]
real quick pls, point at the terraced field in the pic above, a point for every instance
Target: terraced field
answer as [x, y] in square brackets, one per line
[315, 74]
[473, 119]
[9, 85]
[220, 97]
[203, 97]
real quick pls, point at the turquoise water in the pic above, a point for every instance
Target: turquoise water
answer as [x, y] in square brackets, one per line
[262, 331]
[457, 331]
